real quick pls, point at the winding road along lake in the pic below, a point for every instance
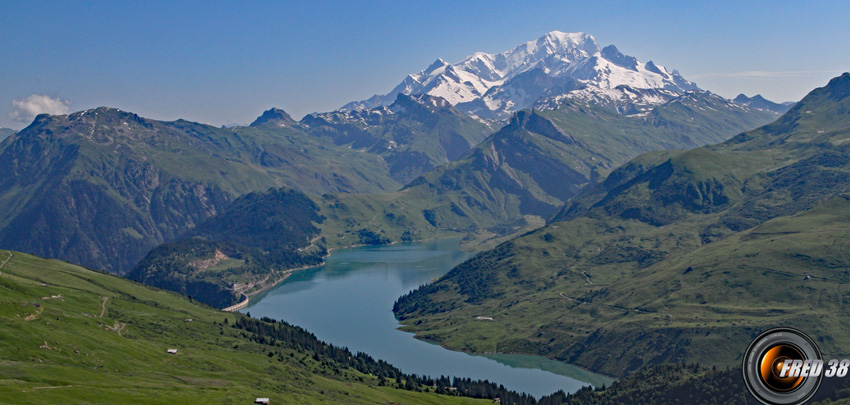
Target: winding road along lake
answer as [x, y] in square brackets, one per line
[348, 302]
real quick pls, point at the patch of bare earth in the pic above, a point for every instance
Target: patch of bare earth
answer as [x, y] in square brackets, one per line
[203, 265]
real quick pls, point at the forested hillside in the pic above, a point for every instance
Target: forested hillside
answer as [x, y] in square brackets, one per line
[249, 246]
[102, 187]
[506, 185]
[677, 256]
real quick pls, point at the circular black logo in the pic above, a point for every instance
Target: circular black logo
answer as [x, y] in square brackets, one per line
[769, 355]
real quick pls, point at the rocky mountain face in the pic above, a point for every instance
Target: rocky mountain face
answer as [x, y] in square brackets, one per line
[274, 117]
[508, 183]
[533, 165]
[101, 187]
[554, 67]
[761, 103]
[414, 134]
[668, 258]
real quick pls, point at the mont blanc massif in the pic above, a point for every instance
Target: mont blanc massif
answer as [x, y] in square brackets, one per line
[604, 214]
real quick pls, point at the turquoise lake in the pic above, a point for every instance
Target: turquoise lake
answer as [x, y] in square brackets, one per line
[348, 302]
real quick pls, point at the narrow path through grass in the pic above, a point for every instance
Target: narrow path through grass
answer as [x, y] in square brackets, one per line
[5, 261]
[103, 307]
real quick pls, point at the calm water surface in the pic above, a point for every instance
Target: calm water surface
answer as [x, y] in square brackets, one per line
[348, 302]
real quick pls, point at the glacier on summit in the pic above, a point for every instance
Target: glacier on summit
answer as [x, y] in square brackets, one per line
[542, 73]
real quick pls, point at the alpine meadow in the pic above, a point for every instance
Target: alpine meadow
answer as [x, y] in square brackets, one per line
[578, 221]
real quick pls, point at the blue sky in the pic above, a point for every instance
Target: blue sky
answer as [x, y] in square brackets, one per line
[226, 62]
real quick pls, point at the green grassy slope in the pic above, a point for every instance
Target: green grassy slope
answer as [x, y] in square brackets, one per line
[689, 384]
[101, 187]
[71, 335]
[543, 158]
[261, 237]
[502, 187]
[414, 134]
[677, 256]
[251, 245]
[531, 167]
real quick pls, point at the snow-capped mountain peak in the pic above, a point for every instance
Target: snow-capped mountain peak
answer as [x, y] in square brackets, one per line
[556, 66]
[439, 63]
[613, 55]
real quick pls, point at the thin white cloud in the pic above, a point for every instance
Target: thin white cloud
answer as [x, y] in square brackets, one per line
[27, 108]
[765, 74]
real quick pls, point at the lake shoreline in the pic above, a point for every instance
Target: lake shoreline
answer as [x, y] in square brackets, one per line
[348, 303]
[434, 342]
[288, 272]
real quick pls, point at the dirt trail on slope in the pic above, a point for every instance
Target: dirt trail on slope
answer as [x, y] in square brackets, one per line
[103, 307]
[5, 261]
[626, 309]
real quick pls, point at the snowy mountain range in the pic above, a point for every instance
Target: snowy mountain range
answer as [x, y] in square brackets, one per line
[541, 73]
